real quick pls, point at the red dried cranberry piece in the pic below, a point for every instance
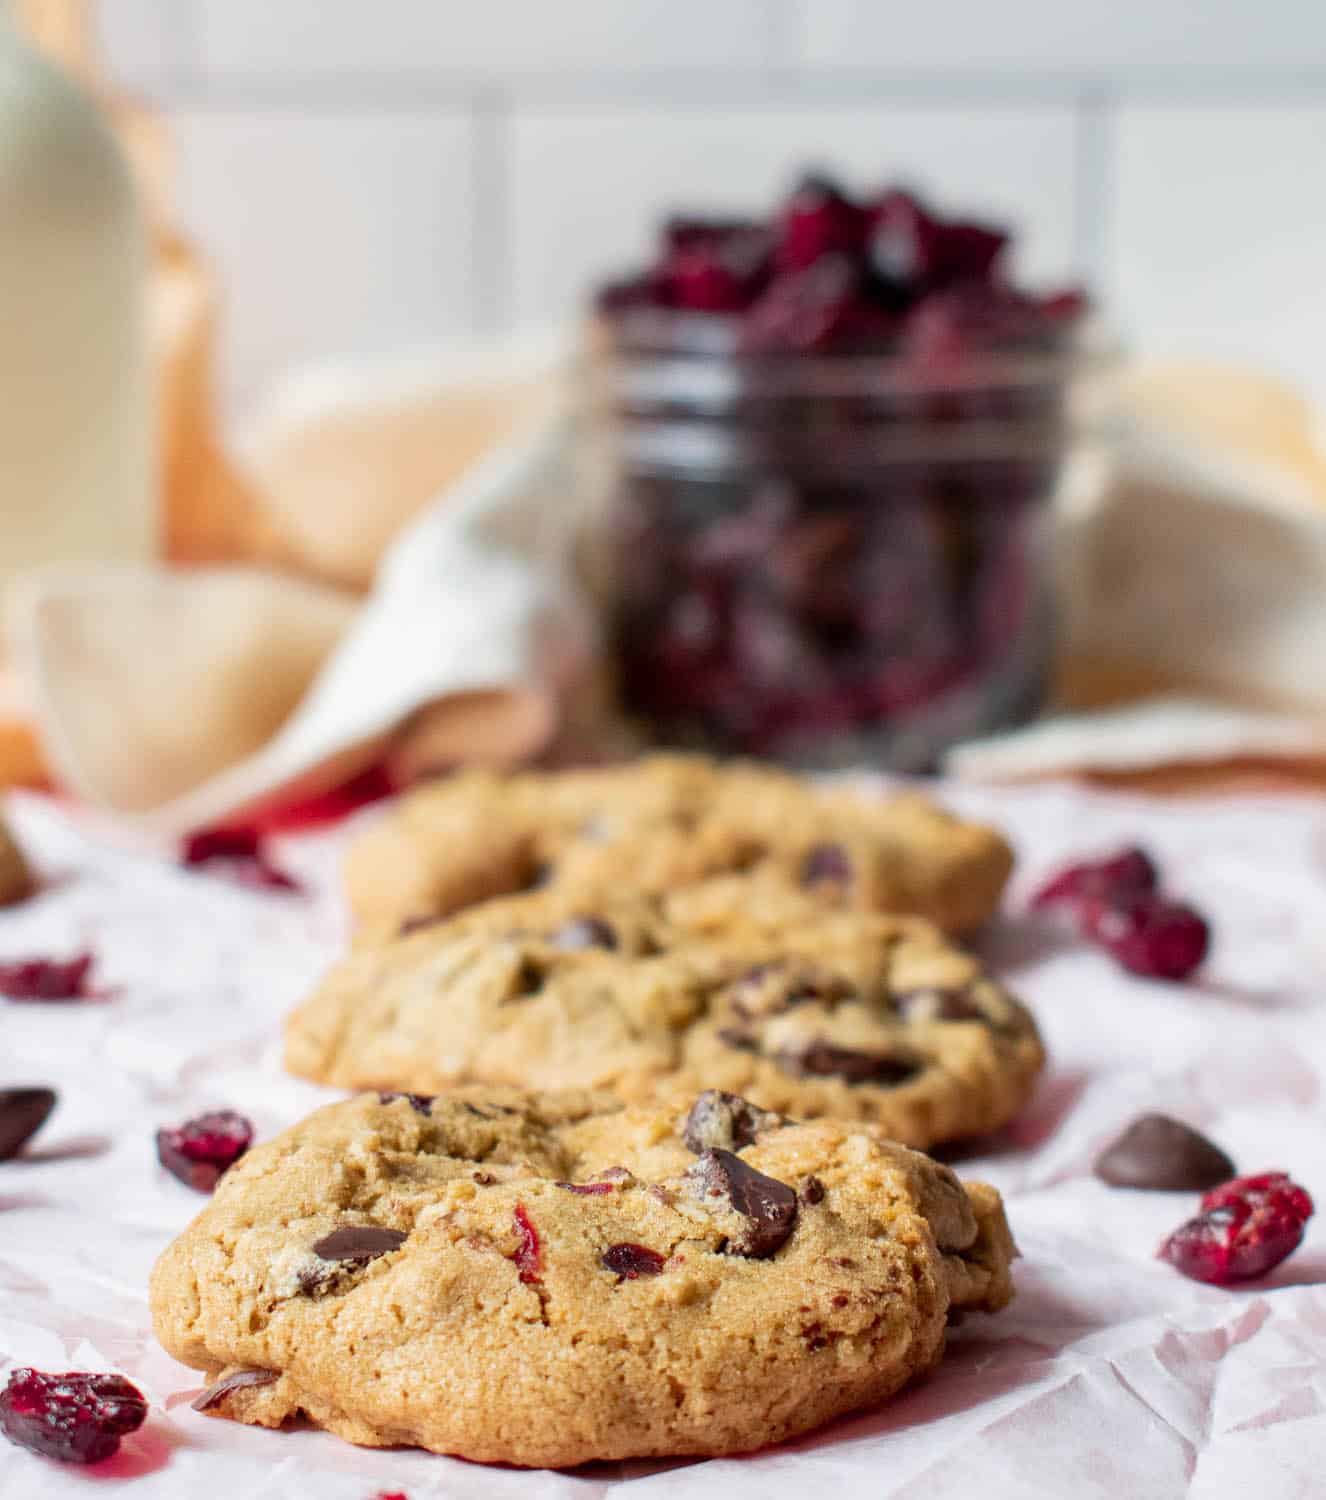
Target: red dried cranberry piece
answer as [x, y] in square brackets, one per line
[46, 979]
[1150, 936]
[684, 232]
[810, 309]
[1246, 1228]
[240, 851]
[586, 1189]
[200, 1150]
[79, 1417]
[819, 220]
[718, 275]
[529, 1253]
[1130, 872]
[632, 1261]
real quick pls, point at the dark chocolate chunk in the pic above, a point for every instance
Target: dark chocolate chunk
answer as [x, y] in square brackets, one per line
[812, 1191]
[826, 864]
[419, 923]
[938, 1005]
[359, 1242]
[632, 1261]
[215, 1394]
[719, 1119]
[735, 1036]
[769, 1206]
[22, 1114]
[581, 933]
[824, 1059]
[529, 979]
[422, 1104]
[1164, 1154]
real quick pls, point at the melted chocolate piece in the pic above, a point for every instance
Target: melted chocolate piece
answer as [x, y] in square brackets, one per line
[238, 1381]
[359, 1243]
[581, 933]
[938, 1005]
[769, 1206]
[421, 1104]
[719, 1119]
[1165, 1155]
[826, 864]
[824, 1059]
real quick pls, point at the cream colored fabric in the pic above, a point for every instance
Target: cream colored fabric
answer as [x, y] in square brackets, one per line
[190, 695]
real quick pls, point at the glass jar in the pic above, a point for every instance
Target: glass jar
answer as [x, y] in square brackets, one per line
[829, 559]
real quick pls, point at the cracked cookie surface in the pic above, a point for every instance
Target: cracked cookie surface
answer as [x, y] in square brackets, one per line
[549, 1279]
[812, 1012]
[664, 822]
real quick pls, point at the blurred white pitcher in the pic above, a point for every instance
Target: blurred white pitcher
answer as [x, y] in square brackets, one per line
[76, 460]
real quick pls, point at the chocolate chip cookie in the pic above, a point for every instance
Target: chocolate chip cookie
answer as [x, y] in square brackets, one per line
[816, 1013]
[665, 822]
[550, 1279]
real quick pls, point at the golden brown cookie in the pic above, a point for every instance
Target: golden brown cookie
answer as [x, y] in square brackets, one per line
[547, 1280]
[811, 1012]
[665, 822]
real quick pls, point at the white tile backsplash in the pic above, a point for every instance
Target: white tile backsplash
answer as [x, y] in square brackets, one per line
[1220, 235]
[332, 234]
[587, 190]
[1094, 36]
[140, 40]
[349, 36]
[376, 175]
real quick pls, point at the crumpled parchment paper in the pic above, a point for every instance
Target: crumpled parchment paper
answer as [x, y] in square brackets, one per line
[1110, 1375]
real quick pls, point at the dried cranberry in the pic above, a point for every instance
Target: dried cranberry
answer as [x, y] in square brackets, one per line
[241, 853]
[586, 1189]
[819, 220]
[1245, 1229]
[79, 1417]
[529, 1253]
[632, 1261]
[716, 276]
[46, 979]
[200, 1150]
[809, 309]
[1130, 872]
[1151, 936]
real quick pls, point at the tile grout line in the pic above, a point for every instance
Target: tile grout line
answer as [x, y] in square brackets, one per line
[782, 38]
[1094, 165]
[187, 65]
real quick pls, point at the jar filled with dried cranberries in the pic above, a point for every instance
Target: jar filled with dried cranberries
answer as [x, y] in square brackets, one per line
[834, 439]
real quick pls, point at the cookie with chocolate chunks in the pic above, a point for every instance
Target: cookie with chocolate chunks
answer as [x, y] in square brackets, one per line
[720, 986]
[382, 1271]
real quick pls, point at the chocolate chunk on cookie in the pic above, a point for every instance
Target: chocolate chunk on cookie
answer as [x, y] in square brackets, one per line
[801, 1011]
[768, 1206]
